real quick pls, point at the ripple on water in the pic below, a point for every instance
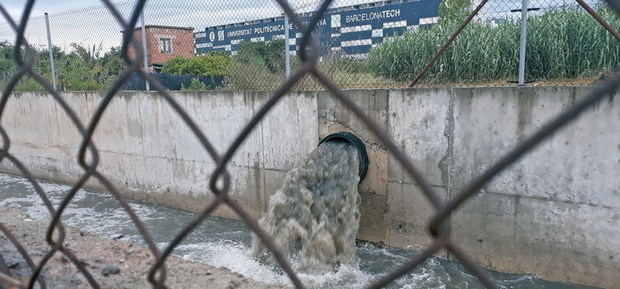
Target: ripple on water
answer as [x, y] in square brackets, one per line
[227, 243]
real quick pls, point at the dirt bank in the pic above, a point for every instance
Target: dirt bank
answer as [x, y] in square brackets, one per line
[114, 264]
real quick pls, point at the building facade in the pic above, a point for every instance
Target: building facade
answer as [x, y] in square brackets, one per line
[164, 43]
[351, 30]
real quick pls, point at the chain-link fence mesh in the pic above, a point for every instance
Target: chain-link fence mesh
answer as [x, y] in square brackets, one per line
[364, 43]
[311, 64]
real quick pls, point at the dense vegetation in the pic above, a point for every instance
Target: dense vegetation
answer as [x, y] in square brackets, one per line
[81, 69]
[206, 65]
[561, 44]
[257, 65]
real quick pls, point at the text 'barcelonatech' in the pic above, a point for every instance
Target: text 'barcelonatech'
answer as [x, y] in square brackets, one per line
[373, 15]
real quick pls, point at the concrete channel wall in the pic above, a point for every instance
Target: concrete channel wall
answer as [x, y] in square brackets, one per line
[556, 213]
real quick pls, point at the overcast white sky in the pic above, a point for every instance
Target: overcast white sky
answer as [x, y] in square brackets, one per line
[55, 6]
[51, 6]
[87, 23]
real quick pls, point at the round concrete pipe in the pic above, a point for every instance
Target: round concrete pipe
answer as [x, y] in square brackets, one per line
[355, 142]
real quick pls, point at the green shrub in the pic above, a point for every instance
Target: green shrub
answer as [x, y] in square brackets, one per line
[268, 55]
[28, 84]
[250, 76]
[257, 66]
[205, 65]
[195, 84]
[343, 63]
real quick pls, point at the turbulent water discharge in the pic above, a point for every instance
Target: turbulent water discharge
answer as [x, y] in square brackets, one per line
[315, 216]
[228, 243]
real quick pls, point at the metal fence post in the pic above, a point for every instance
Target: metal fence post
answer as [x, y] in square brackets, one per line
[50, 50]
[144, 56]
[287, 55]
[523, 41]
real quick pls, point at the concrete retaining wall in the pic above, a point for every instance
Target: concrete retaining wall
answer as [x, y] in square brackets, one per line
[555, 213]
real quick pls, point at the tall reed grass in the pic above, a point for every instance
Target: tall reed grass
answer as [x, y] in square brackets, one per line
[561, 44]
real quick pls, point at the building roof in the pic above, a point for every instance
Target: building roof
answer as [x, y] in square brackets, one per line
[310, 13]
[165, 27]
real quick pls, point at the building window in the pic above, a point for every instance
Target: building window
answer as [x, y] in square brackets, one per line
[165, 45]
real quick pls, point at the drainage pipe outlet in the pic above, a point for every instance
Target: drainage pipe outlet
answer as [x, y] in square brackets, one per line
[353, 140]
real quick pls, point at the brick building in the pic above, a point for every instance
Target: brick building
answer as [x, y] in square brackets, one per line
[164, 43]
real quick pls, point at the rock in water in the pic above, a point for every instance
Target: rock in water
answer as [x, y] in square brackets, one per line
[110, 270]
[314, 217]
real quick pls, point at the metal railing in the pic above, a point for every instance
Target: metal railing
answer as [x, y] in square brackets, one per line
[220, 180]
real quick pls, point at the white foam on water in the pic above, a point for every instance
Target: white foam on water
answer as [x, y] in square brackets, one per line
[31, 204]
[239, 258]
[100, 214]
[228, 254]
[107, 223]
[9, 179]
[112, 221]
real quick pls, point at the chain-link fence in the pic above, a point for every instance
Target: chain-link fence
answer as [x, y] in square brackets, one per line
[310, 65]
[363, 43]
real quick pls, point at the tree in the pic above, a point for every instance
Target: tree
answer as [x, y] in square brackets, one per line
[454, 10]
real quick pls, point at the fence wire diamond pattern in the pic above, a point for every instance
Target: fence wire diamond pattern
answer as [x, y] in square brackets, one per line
[220, 181]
